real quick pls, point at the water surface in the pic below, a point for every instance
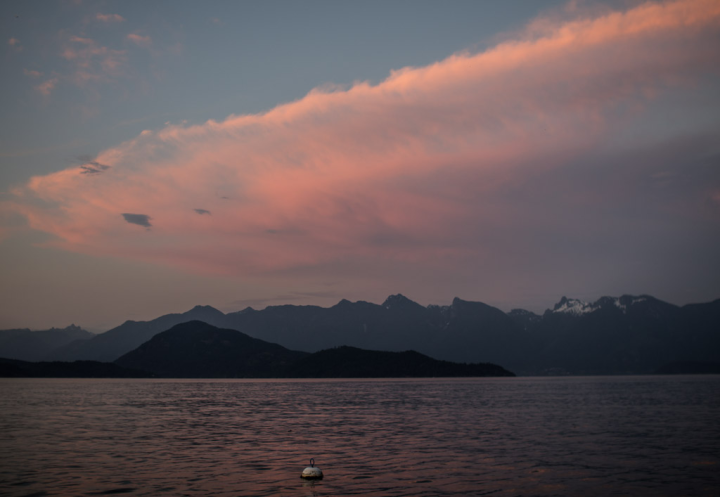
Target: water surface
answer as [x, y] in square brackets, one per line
[649, 435]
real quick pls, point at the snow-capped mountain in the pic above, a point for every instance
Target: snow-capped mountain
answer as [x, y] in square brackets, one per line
[577, 307]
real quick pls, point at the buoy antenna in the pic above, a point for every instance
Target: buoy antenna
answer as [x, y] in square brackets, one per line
[312, 462]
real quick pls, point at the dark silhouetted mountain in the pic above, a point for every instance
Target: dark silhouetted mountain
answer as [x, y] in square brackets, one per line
[476, 332]
[401, 303]
[29, 345]
[128, 336]
[199, 350]
[351, 362]
[11, 368]
[524, 319]
[689, 367]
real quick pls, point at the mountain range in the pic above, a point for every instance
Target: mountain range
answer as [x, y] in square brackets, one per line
[613, 335]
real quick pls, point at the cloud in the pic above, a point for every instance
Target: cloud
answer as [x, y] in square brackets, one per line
[202, 211]
[93, 167]
[110, 18]
[34, 74]
[47, 86]
[139, 219]
[93, 62]
[465, 163]
[13, 42]
[141, 41]
[293, 297]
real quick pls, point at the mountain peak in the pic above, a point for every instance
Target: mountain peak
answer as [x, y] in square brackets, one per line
[399, 301]
[196, 349]
[204, 310]
[459, 303]
[573, 306]
[72, 327]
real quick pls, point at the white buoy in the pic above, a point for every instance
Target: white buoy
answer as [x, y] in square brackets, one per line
[311, 472]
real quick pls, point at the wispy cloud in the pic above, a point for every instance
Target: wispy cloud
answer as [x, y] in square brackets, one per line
[47, 86]
[202, 211]
[32, 73]
[284, 298]
[84, 41]
[110, 18]
[15, 44]
[139, 40]
[92, 62]
[435, 164]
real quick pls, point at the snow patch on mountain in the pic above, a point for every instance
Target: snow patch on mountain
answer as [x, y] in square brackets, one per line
[577, 307]
[573, 306]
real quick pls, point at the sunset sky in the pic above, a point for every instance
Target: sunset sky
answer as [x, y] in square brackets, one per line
[158, 155]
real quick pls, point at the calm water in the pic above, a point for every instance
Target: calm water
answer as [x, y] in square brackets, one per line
[510, 436]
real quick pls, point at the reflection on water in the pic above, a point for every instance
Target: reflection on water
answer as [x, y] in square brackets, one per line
[509, 436]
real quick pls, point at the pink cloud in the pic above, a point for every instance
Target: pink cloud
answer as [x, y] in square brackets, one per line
[142, 41]
[47, 86]
[92, 61]
[32, 73]
[409, 170]
[13, 42]
[84, 41]
[110, 18]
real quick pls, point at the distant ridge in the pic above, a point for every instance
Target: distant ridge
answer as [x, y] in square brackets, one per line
[351, 362]
[29, 345]
[11, 368]
[690, 367]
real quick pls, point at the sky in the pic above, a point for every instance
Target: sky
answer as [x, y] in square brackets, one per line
[160, 155]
